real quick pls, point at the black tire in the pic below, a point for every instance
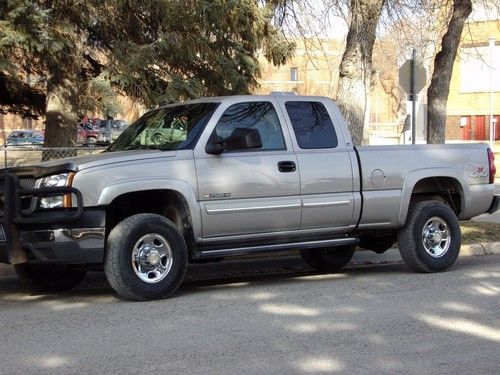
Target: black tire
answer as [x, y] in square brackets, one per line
[118, 265]
[49, 279]
[411, 237]
[377, 244]
[330, 259]
[91, 140]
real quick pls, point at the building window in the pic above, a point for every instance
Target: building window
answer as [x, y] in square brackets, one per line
[294, 74]
[476, 74]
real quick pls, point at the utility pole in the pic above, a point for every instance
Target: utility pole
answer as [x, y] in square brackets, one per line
[492, 127]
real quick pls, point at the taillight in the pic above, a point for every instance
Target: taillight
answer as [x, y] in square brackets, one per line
[493, 168]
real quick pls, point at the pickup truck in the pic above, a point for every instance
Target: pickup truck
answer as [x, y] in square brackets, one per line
[250, 174]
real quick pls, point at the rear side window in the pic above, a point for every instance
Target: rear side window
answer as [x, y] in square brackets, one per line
[253, 115]
[312, 125]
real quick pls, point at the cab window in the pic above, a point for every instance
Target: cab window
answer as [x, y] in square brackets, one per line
[252, 115]
[311, 124]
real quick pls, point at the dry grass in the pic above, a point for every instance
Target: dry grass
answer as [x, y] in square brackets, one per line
[474, 232]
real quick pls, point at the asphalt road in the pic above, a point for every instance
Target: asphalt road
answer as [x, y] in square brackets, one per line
[264, 317]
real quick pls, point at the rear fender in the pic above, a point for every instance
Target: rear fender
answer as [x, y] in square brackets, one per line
[414, 177]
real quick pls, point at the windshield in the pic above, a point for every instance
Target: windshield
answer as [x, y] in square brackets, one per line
[170, 128]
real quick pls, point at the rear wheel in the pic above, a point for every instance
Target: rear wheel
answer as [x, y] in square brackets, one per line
[49, 279]
[146, 257]
[430, 240]
[330, 259]
[91, 140]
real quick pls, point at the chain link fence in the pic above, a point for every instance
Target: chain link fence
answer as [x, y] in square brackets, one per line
[20, 156]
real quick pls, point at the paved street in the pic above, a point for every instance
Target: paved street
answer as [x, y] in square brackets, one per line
[265, 316]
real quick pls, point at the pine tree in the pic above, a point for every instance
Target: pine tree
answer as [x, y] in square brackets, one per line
[152, 50]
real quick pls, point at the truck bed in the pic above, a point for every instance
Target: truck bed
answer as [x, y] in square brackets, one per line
[389, 175]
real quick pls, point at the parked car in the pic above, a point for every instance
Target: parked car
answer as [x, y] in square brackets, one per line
[244, 175]
[112, 128]
[25, 138]
[89, 135]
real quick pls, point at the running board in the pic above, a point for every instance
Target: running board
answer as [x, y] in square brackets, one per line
[277, 247]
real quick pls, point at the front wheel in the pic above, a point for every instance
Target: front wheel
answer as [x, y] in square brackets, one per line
[146, 257]
[430, 240]
[49, 279]
[329, 259]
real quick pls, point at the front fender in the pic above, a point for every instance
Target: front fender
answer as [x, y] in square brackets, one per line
[414, 177]
[112, 191]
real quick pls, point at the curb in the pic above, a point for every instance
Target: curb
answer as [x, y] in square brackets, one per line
[392, 255]
[480, 249]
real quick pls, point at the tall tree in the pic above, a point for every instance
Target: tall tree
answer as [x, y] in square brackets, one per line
[353, 93]
[153, 50]
[437, 94]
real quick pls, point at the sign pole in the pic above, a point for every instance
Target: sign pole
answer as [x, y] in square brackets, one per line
[413, 98]
[412, 78]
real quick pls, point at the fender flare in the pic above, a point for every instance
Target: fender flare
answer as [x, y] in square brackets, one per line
[111, 192]
[414, 177]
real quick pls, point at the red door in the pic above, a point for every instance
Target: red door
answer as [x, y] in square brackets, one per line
[497, 128]
[479, 130]
[465, 128]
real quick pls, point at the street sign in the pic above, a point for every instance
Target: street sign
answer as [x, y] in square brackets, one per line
[405, 77]
[412, 78]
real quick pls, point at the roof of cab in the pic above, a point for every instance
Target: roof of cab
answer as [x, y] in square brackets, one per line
[239, 98]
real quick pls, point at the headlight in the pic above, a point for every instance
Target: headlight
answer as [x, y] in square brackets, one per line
[56, 180]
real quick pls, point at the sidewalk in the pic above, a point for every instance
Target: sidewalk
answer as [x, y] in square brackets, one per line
[366, 257]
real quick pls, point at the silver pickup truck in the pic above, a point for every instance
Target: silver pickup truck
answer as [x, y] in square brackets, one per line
[212, 178]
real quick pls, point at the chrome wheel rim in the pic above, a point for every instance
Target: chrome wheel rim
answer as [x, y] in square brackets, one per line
[436, 237]
[152, 258]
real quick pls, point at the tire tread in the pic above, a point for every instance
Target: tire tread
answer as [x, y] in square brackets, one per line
[115, 243]
[406, 237]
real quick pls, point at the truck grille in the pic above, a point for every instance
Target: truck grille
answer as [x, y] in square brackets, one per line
[27, 183]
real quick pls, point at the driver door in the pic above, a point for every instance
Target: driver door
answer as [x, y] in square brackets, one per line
[253, 190]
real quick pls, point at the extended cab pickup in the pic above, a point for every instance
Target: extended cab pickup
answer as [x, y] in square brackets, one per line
[218, 177]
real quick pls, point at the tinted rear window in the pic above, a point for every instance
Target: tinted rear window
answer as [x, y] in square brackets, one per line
[312, 125]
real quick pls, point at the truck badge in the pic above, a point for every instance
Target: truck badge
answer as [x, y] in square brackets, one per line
[217, 195]
[476, 171]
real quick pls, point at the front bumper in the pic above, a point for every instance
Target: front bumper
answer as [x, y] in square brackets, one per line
[69, 236]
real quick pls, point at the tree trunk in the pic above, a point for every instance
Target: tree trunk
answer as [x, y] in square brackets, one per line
[437, 94]
[61, 116]
[353, 93]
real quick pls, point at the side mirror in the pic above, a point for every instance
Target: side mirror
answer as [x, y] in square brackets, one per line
[240, 139]
[215, 145]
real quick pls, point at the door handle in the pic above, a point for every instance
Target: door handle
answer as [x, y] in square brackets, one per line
[287, 166]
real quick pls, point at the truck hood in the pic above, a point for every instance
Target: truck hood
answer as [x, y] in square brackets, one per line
[90, 161]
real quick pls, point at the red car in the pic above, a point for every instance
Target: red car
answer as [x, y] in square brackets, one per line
[87, 134]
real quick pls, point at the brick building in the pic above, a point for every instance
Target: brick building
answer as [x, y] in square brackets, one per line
[476, 71]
